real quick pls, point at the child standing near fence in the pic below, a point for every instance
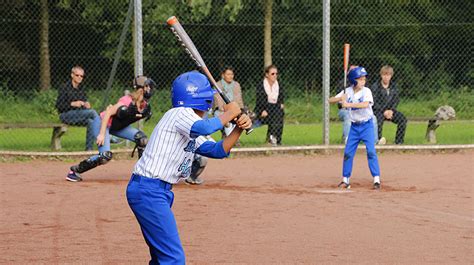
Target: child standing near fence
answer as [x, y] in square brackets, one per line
[358, 100]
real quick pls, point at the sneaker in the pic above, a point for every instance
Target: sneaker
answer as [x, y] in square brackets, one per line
[73, 176]
[376, 186]
[273, 141]
[382, 141]
[344, 185]
[196, 181]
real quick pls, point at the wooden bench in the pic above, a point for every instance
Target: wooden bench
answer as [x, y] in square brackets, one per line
[58, 130]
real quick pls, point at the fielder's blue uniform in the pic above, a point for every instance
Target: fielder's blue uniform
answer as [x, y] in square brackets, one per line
[362, 129]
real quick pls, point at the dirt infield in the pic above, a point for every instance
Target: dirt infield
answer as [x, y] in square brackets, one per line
[256, 210]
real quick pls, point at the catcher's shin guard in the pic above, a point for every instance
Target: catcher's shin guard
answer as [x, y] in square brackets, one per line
[92, 162]
[140, 143]
[198, 166]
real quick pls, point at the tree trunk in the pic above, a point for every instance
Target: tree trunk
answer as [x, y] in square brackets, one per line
[45, 67]
[268, 33]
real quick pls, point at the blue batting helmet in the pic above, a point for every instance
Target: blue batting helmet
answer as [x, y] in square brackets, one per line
[193, 90]
[356, 73]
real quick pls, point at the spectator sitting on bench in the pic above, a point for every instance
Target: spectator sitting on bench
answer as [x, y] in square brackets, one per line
[73, 107]
[385, 105]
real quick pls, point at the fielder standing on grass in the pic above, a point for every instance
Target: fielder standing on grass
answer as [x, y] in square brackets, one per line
[358, 100]
[179, 135]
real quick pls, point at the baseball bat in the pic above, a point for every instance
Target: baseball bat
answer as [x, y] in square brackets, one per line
[347, 48]
[192, 51]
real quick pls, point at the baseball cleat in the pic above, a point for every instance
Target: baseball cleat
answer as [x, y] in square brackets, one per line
[73, 176]
[344, 185]
[196, 181]
[376, 186]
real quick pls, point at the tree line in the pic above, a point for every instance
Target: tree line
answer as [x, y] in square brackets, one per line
[427, 42]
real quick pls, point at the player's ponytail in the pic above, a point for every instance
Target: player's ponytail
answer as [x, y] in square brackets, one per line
[137, 97]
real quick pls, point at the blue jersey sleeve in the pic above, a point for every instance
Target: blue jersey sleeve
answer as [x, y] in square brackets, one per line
[205, 127]
[212, 149]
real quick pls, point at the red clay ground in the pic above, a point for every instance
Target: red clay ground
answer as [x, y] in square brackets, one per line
[255, 210]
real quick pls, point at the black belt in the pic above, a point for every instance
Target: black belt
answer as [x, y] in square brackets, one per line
[158, 183]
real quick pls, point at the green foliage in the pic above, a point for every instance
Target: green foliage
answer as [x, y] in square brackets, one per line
[200, 8]
[232, 9]
[431, 69]
[39, 108]
[7, 96]
[45, 103]
[462, 101]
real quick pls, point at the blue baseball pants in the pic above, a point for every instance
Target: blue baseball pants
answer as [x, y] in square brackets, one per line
[151, 201]
[361, 132]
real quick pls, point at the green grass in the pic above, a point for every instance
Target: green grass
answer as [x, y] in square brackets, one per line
[455, 132]
[303, 115]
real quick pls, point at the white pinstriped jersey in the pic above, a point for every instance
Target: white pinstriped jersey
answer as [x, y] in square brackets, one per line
[169, 153]
[359, 114]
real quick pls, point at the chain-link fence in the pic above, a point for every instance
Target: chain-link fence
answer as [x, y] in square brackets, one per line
[428, 43]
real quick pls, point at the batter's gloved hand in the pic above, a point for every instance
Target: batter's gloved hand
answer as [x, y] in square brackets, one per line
[233, 109]
[244, 122]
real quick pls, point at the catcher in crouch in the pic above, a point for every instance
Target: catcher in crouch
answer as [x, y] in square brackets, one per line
[117, 120]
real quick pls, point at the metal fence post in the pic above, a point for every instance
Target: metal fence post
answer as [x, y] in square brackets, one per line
[138, 44]
[326, 46]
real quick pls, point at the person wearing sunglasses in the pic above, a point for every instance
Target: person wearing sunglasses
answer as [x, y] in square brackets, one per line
[270, 105]
[73, 106]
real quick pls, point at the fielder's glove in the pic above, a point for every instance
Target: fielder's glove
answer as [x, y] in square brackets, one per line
[147, 112]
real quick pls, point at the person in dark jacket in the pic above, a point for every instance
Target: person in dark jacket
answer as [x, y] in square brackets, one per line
[386, 100]
[269, 107]
[73, 106]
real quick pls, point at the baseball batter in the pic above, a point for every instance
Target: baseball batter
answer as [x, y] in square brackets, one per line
[358, 100]
[168, 158]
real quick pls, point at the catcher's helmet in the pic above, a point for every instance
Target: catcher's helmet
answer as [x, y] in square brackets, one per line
[141, 81]
[356, 73]
[193, 90]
